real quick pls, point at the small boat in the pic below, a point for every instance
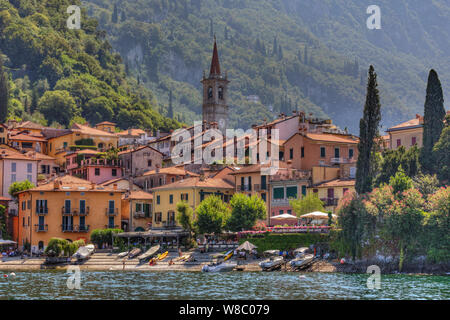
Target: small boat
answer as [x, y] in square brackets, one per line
[221, 267]
[300, 252]
[84, 252]
[185, 258]
[301, 261]
[271, 263]
[149, 253]
[269, 253]
[133, 253]
[122, 254]
[162, 256]
[228, 255]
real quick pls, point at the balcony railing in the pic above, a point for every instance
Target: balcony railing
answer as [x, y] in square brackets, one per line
[111, 211]
[100, 162]
[169, 224]
[41, 211]
[67, 228]
[341, 160]
[139, 214]
[110, 226]
[82, 228]
[41, 227]
[84, 212]
[69, 211]
[330, 201]
[74, 228]
[245, 187]
[290, 174]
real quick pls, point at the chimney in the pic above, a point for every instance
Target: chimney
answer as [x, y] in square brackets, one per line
[92, 185]
[56, 184]
[115, 186]
[157, 168]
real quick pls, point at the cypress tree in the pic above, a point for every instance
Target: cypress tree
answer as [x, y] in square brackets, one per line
[170, 111]
[368, 131]
[115, 15]
[305, 55]
[211, 28]
[433, 121]
[4, 93]
[275, 46]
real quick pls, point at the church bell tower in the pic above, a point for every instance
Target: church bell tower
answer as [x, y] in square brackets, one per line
[215, 87]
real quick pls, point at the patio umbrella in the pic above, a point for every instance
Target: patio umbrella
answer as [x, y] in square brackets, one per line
[6, 242]
[318, 215]
[284, 216]
[247, 246]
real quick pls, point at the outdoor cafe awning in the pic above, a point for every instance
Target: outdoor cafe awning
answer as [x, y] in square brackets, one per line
[6, 242]
[284, 216]
[317, 215]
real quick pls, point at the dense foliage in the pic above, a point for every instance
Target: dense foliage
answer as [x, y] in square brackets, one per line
[60, 74]
[307, 204]
[61, 247]
[103, 236]
[212, 215]
[185, 216]
[19, 186]
[245, 211]
[271, 241]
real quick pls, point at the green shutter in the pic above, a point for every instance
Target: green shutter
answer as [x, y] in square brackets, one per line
[291, 192]
[278, 193]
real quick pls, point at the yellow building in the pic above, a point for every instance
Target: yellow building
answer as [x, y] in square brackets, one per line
[331, 192]
[406, 134]
[68, 208]
[192, 190]
[106, 126]
[140, 204]
[61, 141]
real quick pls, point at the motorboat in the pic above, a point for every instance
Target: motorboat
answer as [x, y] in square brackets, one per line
[122, 254]
[84, 252]
[133, 253]
[301, 261]
[220, 267]
[300, 252]
[149, 253]
[271, 263]
[269, 253]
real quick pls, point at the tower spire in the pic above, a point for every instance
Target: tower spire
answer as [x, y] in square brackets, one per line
[215, 65]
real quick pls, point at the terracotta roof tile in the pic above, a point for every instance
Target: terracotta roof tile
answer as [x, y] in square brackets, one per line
[197, 182]
[171, 170]
[336, 183]
[71, 183]
[139, 195]
[329, 138]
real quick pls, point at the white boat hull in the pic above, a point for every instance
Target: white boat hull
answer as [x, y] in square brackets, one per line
[223, 267]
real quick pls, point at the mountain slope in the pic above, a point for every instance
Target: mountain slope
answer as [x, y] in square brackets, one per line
[310, 55]
[60, 75]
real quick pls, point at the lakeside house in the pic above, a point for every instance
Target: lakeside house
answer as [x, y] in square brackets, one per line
[68, 208]
[136, 211]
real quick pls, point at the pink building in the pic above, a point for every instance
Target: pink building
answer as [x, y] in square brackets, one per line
[86, 164]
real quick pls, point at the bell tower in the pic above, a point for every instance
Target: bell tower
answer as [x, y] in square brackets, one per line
[215, 89]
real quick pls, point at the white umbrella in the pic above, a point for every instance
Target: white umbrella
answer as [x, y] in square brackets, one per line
[284, 216]
[247, 246]
[6, 242]
[318, 215]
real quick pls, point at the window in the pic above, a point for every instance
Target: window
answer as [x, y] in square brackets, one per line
[291, 153]
[158, 199]
[13, 178]
[41, 206]
[173, 179]
[263, 182]
[303, 152]
[114, 172]
[111, 206]
[249, 183]
[221, 93]
[413, 141]
[336, 153]
[149, 163]
[316, 190]
[13, 167]
[289, 212]
[278, 193]
[82, 206]
[291, 192]
[65, 145]
[138, 207]
[350, 153]
[67, 206]
[29, 168]
[158, 216]
[399, 142]
[24, 205]
[210, 92]
[171, 198]
[304, 190]
[97, 171]
[263, 196]
[29, 177]
[281, 212]
[322, 152]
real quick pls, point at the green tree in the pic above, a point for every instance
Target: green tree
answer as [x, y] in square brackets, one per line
[441, 153]
[170, 111]
[307, 204]
[99, 109]
[212, 215]
[4, 93]
[400, 182]
[393, 159]
[245, 211]
[433, 121]
[18, 187]
[368, 131]
[185, 216]
[426, 184]
[3, 228]
[58, 106]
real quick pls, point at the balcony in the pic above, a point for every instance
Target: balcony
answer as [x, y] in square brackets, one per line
[280, 202]
[139, 214]
[111, 211]
[341, 160]
[330, 202]
[69, 211]
[82, 228]
[100, 162]
[67, 228]
[110, 226]
[290, 174]
[41, 211]
[169, 224]
[84, 212]
[245, 187]
[75, 228]
[41, 227]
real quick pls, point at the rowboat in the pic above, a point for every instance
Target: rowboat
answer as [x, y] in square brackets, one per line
[228, 255]
[300, 252]
[149, 253]
[302, 261]
[162, 256]
[185, 258]
[271, 263]
[269, 253]
[221, 267]
[84, 252]
[133, 253]
[122, 254]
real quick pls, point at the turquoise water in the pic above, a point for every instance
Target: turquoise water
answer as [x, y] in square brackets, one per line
[232, 285]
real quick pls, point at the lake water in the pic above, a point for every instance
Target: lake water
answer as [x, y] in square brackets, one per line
[232, 285]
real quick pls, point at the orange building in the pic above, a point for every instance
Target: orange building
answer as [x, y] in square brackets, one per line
[68, 208]
[140, 205]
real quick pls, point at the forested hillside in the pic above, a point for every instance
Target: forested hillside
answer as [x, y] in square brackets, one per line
[58, 76]
[310, 55]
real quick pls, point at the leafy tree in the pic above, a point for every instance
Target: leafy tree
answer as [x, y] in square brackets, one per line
[170, 111]
[58, 106]
[307, 204]
[185, 216]
[212, 215]
[433, 121]
[441, 153]
[3, 228]
[4, 93]
[393, 159]
[426, 184]
[245, 211]
[99, 109]
[368, 131]
[400, 182]
[16, 187]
